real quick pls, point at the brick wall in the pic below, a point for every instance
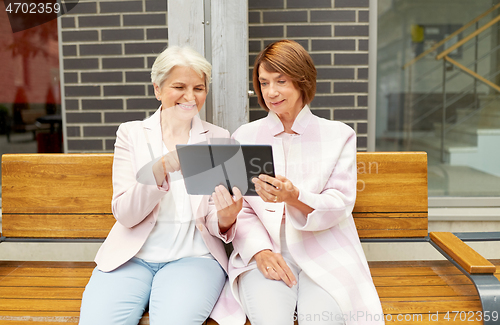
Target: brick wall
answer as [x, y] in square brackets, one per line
[335, 33]
[108, 50]
[109, 47]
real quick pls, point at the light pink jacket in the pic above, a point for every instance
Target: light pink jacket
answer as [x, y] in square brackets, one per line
[322, 163]
[135, 205]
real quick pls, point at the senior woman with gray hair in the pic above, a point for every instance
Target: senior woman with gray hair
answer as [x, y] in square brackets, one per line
[165, 251]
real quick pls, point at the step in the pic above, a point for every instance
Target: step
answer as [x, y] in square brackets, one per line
[432, 145]
[484, 118]
[461, 135]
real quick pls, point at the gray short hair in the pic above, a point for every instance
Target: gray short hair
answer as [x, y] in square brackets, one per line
[183, 56]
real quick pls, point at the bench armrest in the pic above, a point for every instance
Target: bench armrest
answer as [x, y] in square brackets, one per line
[470, 260]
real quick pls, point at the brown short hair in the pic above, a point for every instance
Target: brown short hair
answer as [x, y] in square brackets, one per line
[291, 59]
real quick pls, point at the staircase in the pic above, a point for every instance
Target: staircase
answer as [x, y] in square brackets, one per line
[470, 140]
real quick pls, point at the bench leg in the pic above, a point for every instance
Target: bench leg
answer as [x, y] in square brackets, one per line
[488, 288]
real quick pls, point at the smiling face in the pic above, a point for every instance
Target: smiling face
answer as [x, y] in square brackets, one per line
[183, 92]
[280, 93]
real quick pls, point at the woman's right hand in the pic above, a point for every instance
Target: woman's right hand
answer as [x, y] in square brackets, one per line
[273, 267]
[169, 163]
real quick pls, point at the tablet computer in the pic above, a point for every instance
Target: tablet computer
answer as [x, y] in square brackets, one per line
[205, 166]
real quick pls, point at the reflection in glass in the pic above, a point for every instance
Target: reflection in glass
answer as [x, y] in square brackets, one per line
[30, 100]
[438, 73]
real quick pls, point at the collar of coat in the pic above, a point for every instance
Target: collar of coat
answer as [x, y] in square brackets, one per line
[198, 130]
[299, 125]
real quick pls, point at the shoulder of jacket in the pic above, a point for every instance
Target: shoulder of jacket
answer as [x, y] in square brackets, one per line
[336, 125]
[250, 127]
[130, 126]
[216, 130]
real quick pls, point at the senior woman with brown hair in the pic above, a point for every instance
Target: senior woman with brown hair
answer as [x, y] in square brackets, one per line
[297, 254]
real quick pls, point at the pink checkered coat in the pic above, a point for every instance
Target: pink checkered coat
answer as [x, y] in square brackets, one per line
[325, 244]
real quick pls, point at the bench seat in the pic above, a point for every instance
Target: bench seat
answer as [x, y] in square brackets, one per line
[45, 292]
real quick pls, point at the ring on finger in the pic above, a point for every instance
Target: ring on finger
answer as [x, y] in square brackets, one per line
[275, 199]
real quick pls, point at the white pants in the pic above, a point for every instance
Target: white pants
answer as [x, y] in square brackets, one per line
[271, 302]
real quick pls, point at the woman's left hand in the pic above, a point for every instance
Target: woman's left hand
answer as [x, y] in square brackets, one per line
[275, 190]
[227, 206]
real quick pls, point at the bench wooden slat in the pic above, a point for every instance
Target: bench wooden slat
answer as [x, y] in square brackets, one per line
[17, 281]
[24, 205]
[62, 183]
[52, 314]
[462, 253]
[390, 233]
[22, 322]
[46, 272]
[411, 268]
[421, 280]
[426, 291]
[390, 225]
[41, 292]
[392, 182]
[60, 305]
[47, 269]
[429, 305]
[57, 225]
[46, 318]
[390, 216]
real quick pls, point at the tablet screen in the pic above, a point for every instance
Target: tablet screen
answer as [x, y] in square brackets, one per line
[205, 166]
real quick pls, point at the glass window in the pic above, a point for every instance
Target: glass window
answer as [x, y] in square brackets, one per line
[30, 99]
[438, 77]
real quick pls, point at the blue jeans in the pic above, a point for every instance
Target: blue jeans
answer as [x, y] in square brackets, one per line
[178, 292]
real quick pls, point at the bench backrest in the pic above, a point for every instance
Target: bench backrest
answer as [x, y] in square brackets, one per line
[69, 195]
[392, 195]
[57, 195]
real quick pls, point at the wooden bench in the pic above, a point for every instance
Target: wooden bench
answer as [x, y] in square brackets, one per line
[67, 198]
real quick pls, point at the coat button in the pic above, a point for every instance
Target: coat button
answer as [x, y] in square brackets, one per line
[200, 227]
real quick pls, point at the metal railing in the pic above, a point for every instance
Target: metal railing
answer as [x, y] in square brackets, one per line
[444, 55]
